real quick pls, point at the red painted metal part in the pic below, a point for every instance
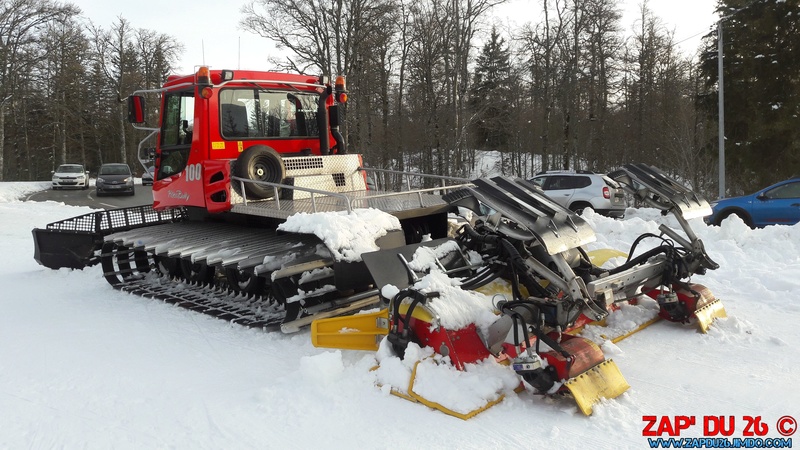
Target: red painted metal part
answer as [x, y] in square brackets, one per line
[686, 297]
[585, 355]
[463, 346]
[211, 153]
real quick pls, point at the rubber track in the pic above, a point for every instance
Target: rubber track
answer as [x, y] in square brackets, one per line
[249, 311]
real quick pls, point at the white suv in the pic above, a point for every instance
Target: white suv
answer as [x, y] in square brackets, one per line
[580, 190]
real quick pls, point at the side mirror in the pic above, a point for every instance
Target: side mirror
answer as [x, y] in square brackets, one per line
[762, 196]
[150, 153]
[136, 108]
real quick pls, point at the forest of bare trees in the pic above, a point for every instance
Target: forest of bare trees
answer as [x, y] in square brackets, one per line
[432, 82]
[62, 85]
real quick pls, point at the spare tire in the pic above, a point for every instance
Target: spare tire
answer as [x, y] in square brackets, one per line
[259, 163]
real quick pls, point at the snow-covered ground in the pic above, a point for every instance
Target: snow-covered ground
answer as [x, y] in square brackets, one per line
[85, 366]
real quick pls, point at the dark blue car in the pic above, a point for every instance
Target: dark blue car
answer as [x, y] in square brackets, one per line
[777, 204]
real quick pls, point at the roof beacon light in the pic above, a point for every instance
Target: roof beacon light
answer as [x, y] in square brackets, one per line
[341, 89]
[202, 76]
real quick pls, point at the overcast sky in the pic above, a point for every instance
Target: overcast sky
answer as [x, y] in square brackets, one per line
[211, 35]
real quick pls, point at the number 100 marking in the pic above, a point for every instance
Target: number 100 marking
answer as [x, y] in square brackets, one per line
[193, 172]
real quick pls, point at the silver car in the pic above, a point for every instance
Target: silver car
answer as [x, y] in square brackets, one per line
[70, 176]
[580, 190]
[115, 178]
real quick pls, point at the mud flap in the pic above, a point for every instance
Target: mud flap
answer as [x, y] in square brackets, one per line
[601, 381]
[356, 332]
[707, 313]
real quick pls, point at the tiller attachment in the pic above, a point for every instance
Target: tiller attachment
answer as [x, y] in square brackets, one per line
[560, 363]
[687, 303]
[519, 255]
[588, 376]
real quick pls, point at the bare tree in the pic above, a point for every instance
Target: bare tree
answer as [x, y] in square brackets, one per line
[157, 53]
[62, 73]
[545, 66]
[115, 55]
[21, 24]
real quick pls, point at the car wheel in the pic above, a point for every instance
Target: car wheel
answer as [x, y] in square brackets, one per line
[578, 207]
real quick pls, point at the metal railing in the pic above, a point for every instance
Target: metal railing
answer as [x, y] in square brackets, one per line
[346, 199]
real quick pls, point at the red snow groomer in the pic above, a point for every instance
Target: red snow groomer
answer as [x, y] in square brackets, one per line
[237, 153]
[534, 247]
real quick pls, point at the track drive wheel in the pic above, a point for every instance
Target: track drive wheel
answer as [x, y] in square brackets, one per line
[121, 263]
[244, 282]
[260, 163]
[168, 266]
[197, 272]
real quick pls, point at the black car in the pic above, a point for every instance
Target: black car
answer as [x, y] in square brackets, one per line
[115, 178]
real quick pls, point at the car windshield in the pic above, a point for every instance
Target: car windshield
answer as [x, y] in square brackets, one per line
[69, 169]
[115, 170]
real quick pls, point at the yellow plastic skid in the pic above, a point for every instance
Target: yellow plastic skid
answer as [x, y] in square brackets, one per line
[601, 381]
[442, 408]
[360, 331]
[708, 312]
[357, 332]
[600, 256]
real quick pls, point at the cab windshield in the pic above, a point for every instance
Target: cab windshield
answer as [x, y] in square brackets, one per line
[255, 113]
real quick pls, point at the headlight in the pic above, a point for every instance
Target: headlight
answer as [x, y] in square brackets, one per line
[55, 178]
[128, 180]
[80, 177]
[100, 180]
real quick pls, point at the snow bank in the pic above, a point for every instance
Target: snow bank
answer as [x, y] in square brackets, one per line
[13, 191]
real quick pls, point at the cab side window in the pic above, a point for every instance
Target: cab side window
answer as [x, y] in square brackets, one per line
[176, 132]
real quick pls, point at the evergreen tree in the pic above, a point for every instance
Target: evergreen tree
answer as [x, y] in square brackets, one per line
[491, 95]
[761, 60]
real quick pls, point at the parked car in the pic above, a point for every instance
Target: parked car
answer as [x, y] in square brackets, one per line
[148, 176]
[776, 204]
[580, 190]
[70, 176]
[114, 178]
